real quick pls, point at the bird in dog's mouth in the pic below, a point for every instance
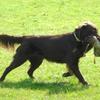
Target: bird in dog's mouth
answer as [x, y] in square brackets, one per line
[96, 47]
[96, 44]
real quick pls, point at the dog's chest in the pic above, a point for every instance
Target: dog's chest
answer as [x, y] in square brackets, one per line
[79, 50]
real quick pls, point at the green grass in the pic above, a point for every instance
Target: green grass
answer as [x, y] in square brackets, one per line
[48, 17]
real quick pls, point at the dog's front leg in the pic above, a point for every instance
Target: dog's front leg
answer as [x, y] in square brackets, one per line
[75, 68]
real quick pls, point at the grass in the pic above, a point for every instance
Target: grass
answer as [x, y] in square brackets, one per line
[48, 17]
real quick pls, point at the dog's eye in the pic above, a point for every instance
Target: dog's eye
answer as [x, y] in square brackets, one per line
[94, 30]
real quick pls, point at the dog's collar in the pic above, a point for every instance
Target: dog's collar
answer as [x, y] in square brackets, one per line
[86, 49]
[77, 39]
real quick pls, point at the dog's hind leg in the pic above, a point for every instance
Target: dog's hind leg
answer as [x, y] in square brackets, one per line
[19, 58]
[35, 61]
[15, 63]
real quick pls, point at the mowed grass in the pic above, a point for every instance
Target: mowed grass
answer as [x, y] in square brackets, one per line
[48, 17]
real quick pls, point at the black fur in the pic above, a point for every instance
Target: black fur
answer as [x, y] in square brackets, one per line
[60, 48]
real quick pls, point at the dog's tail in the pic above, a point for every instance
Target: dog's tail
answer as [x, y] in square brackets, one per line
[9, 41]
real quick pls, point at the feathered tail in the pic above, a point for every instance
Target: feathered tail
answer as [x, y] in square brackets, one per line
[9, 41]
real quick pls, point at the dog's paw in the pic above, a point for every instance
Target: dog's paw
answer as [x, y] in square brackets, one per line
[31, 77]
[67, 74]
[86, 84]
[1, 80]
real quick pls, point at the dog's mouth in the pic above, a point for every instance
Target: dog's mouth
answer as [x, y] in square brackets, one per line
[93, 40]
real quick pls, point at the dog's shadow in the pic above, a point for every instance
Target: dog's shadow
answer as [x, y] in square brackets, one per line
[52, 87]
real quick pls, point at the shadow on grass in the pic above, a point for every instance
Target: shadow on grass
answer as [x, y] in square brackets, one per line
[53, 87]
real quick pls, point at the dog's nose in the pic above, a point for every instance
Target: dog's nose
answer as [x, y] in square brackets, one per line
[94, 37]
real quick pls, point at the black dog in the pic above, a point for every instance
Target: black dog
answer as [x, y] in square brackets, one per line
[66, 48]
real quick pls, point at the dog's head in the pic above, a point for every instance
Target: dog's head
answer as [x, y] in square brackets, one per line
[86, 30]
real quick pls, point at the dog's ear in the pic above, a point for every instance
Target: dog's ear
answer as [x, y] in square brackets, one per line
[77, 29]
[89, 26]
[81, 27]
[89, 29]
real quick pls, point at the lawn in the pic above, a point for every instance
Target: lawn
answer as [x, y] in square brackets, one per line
[48, 17]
